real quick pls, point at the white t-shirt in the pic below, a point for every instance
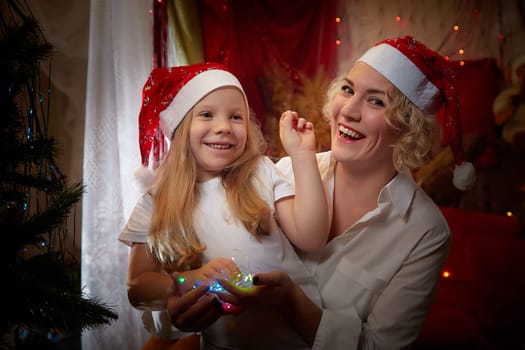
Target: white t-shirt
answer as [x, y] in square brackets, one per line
[258, 328]
[378, 278]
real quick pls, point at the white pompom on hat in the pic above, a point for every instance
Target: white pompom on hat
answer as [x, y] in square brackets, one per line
[168, 95]
[428, 80]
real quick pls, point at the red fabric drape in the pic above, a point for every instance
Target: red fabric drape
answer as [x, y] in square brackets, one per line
[160, 33]
[247, 34]
[151, 139]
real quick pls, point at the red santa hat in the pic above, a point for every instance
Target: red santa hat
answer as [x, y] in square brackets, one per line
[428, 81]
[168, 95]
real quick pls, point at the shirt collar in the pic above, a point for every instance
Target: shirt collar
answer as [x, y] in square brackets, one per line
[399, 192]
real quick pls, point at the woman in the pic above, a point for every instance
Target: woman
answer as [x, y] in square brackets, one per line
[388, 242]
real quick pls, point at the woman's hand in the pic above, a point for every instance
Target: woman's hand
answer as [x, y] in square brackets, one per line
[276, 289]
[192, 310]
[190, 303]
[273, 289]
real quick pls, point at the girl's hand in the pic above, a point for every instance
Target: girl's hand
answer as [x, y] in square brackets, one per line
[297, 135]
[219, 268]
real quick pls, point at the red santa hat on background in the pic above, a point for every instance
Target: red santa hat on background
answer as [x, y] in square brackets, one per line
[168, 95]
[428, 81]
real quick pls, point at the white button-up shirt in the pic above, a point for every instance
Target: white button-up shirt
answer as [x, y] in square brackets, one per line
[378, 279]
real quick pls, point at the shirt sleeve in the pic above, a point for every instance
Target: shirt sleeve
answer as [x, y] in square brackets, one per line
[285, 167]
[137, 228]
[282, 184]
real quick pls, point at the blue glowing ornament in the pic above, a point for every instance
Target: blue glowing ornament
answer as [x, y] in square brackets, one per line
[216, 287]
[243, 279]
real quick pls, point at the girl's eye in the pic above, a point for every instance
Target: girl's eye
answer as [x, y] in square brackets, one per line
[205, 114]
[237, 117]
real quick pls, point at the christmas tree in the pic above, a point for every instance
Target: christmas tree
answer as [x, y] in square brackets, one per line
[41, 278]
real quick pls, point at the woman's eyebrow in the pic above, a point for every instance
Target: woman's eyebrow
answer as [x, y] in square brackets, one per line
[369, 91]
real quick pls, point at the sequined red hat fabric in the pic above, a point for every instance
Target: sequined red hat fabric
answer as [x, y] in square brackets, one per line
[168, 95]
[428, 81]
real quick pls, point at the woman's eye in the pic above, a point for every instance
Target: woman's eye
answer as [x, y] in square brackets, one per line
[347, 89]
[377, 102]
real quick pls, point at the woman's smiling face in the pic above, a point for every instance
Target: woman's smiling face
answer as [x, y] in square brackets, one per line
[359, 128]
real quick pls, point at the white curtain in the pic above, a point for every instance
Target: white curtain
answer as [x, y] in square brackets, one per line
[119, 61]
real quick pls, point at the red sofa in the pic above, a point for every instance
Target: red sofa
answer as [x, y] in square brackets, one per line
[481, 304]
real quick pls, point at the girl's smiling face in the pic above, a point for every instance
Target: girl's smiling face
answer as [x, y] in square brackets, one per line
[358, 109]
[218, 131]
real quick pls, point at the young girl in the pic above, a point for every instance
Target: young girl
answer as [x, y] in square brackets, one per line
[215, 193]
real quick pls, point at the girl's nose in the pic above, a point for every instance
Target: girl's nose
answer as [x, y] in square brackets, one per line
[222, 125]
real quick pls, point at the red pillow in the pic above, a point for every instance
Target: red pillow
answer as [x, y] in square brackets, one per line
[462, 222]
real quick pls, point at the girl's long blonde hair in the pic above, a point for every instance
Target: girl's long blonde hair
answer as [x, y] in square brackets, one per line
[172, 238]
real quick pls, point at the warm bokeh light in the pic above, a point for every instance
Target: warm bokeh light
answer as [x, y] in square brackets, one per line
[338, 42]
[461, 63]
[456, 28]
[447, 58]
[398, 18]
[509, 213]
[446, 274]
[461, 51]
[338, 19]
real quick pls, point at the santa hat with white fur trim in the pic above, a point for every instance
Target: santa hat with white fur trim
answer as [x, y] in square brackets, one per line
[168, 95]
[427, 80]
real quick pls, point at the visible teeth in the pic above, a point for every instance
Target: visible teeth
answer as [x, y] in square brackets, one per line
[218, 146]
[345, 132]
